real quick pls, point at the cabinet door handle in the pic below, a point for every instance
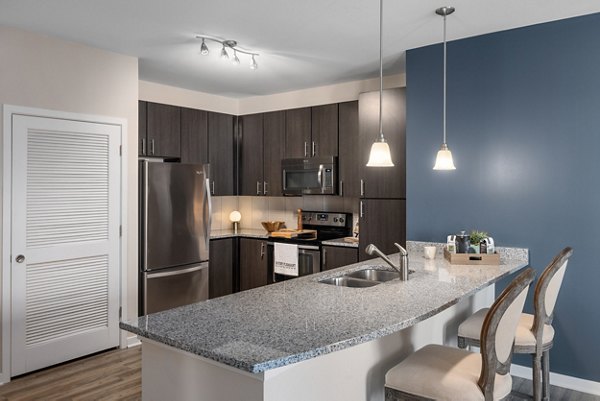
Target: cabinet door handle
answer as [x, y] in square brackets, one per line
[262, 250]
[361, 212]
[265, 191]
[324, 258]
[144, 146]
[341, 187]
[212, 189]
[362, 187]
[152, 146]
[257, 187]
[305, 149]
[314, 148]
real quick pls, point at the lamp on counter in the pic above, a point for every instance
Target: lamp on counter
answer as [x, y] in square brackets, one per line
[235, 218]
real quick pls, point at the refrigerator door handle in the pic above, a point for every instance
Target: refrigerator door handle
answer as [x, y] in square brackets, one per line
[208, 219]
[145, 187]
[151, 275]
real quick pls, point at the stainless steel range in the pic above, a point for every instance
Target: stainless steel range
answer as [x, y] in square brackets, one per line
[328, 226]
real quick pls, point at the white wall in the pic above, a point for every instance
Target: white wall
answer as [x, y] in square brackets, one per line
[336, 93]
[43, 72]
[158, 93]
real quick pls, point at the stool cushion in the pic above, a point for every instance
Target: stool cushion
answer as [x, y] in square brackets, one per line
[443, 373]
[471, 328]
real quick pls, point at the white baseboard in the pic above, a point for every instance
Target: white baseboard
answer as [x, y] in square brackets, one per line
[133, 341]
[556, 379]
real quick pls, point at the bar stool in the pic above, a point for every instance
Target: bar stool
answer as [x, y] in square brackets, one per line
[437, 372]
[535, 333]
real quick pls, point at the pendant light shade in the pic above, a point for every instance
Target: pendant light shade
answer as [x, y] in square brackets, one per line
[380, 155]
[444, 161]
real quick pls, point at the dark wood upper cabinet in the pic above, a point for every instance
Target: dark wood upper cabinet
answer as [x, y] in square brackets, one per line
[381, 222]
[349, 181]
[333, 257]
[251, 155]
[221, 273]
[253, 263]
[298, 132]
[384, 182]
[194, 136]
[222, 153]
[274, 151]
[142, 127]
[164, 129]
[324, 128]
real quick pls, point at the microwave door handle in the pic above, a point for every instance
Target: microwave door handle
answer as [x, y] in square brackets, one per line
[284, 180]
[320, 177]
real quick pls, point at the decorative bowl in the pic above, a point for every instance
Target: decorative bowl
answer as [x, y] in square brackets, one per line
[271, 226]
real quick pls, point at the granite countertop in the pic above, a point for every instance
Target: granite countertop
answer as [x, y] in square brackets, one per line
[242, 232]
[262, 234]
[340, 242]
[299, 319]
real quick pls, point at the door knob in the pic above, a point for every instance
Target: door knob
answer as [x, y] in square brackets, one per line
[20, 259]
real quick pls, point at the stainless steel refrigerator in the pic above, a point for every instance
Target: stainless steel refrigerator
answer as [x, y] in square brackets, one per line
[175, 213]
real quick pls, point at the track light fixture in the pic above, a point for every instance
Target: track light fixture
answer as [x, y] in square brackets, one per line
[227, 44]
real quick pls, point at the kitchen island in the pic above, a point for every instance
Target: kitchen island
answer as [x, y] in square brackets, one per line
[305, 340]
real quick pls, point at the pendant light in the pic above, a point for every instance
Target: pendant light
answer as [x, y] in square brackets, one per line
[380, 155]
[444, 161]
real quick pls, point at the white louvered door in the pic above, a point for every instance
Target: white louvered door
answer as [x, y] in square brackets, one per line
[65, 223]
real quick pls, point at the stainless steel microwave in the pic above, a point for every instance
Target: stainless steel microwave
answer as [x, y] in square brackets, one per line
[310, 176]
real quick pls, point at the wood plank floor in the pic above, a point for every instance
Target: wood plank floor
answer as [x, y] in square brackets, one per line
[108, 376]
[116, 375]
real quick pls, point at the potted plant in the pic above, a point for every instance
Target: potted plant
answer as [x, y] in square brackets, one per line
[475, 238]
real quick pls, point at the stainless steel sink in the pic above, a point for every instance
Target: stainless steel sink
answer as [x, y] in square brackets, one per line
[374, 275]
[346, 281]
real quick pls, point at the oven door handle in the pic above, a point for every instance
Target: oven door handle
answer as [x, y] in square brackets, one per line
[300, 247]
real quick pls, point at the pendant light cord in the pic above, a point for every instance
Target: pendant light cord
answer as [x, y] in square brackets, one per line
[444, 79]
[381, 139]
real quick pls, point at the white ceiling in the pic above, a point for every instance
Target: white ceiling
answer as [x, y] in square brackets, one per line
[302, 43]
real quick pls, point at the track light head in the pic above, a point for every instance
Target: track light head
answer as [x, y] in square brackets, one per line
[236, 59]
[203, 48]
[224, 54]
[253, 65]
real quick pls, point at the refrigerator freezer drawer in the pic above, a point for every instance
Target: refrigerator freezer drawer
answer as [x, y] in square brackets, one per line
[169, 288]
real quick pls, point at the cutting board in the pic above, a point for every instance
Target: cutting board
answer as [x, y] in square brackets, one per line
[289, 233]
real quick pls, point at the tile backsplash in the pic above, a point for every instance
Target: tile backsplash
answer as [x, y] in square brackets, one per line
[255, 209]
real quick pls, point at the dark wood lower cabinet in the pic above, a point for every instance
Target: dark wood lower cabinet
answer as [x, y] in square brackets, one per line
[381, 223]
[253, 263]
[222, 266]
[333, 257]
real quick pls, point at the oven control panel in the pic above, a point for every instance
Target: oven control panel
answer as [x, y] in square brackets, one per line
[325, 219]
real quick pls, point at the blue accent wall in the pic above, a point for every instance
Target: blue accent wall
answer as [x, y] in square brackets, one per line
[524, 130]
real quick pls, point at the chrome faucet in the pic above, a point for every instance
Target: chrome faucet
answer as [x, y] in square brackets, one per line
[402, 269]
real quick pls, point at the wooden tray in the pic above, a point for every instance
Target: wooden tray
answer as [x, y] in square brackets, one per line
[472, 258]
[287, 233]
